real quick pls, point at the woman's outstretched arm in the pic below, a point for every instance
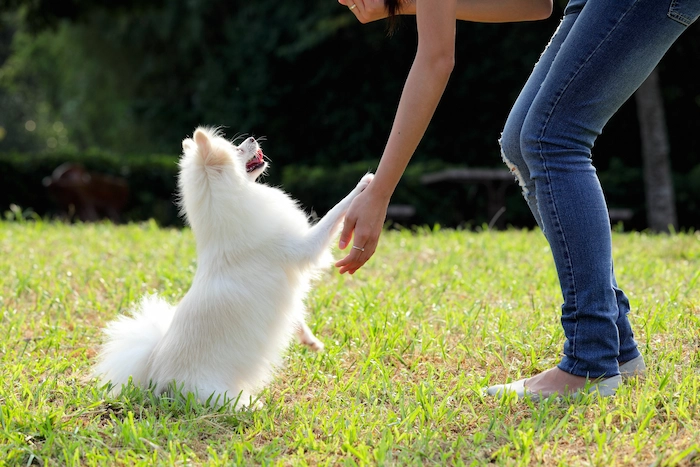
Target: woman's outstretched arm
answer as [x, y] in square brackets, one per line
[421, 94]
[481, 11]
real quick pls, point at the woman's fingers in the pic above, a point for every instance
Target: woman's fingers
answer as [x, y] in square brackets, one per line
[366, 10]
[362, 228]
[357, 7]
[357, 255]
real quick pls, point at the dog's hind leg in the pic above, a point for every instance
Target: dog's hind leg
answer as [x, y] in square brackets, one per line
[307, 337]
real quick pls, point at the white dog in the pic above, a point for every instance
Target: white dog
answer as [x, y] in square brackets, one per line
[256, 253]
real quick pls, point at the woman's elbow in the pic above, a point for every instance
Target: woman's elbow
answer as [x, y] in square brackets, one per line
[443, 65]
[436, 62]
[542, 9]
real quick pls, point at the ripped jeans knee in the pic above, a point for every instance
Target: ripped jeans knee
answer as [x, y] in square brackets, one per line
[512, 156]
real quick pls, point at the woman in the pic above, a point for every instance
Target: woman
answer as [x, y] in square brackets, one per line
[600, 54]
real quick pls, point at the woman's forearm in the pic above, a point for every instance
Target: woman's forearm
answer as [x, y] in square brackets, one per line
[494, 11]
[484, 11]
[420, 98]
[421, 94]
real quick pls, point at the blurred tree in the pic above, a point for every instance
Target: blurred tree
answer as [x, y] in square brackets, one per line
[56, 95]
[658, 182]
[319, 85]
[39, 15]
[139, 76]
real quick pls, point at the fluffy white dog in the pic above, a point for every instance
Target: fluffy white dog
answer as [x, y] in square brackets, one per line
[257, 254]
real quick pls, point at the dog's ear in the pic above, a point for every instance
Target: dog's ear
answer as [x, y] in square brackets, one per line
[211, 153]
[203, 143]
[188, 145]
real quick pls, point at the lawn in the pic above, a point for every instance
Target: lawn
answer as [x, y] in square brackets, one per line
[411, 340]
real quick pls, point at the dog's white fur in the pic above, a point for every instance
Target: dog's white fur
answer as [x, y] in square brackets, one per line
[257, 255]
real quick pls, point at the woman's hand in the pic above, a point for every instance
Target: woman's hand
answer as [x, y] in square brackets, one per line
[366, 11]
[365, 219]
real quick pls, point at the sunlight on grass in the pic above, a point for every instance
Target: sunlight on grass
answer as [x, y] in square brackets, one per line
[411, 339]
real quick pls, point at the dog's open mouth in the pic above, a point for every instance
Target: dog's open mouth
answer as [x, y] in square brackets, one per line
[256, 162]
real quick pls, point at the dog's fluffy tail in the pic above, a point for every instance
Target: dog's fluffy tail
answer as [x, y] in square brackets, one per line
[129, 342]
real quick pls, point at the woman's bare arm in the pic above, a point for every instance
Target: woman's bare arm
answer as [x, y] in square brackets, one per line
[421, 94]
[482, 11]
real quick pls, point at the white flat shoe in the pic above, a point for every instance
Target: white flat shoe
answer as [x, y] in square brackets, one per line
[605, 387]
[635, 367]
[516, 387]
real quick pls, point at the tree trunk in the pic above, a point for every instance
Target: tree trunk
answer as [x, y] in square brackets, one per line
[658, 182]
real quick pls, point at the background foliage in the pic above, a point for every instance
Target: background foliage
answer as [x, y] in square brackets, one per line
[322, 89]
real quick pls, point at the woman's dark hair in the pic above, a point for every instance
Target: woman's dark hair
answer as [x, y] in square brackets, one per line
[393, 7]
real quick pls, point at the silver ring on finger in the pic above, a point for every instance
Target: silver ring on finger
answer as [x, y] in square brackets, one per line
[357, 248]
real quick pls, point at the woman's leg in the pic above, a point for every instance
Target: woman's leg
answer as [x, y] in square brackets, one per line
[599, 56]
[510, 138]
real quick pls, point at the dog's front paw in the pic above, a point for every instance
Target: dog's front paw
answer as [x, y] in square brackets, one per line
[314, 344]
[365, 181]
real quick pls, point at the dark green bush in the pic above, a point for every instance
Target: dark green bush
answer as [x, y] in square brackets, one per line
[447, 204]
[153, 184]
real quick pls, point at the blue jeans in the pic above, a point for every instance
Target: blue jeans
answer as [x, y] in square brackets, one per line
[601, 53]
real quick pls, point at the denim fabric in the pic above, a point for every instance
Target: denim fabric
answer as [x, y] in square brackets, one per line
[601, 53]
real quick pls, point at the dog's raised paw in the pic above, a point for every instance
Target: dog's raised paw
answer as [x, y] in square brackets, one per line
[365, 181]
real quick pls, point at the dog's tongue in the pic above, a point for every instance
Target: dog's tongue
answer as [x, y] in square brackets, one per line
[258, 159]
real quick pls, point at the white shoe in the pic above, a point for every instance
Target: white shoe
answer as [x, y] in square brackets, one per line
[605, 387]
[635, 367]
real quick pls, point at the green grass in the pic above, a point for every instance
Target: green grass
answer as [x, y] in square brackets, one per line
[410, 341]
